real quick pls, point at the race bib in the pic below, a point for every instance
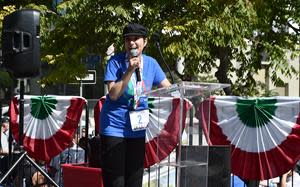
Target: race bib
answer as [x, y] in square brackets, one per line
[139, 119]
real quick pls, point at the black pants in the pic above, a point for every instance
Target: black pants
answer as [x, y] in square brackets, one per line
[122, 161]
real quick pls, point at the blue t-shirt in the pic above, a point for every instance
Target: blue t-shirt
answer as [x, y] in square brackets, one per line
[114, 116]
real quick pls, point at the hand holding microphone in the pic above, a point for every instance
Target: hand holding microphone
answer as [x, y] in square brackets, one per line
[134, 53]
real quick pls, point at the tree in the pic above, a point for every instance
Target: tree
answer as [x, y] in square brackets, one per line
[210, 35]
[214, 34]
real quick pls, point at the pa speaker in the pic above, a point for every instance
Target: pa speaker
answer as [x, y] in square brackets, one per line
[21, 43]
[215, 173]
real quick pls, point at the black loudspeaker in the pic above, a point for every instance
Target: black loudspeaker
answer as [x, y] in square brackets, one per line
[21, 43]
[219, 166]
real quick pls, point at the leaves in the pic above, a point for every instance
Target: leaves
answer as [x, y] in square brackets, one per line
[210, 35]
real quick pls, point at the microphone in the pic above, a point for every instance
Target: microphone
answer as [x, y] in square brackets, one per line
[134, 53]
[155, 38]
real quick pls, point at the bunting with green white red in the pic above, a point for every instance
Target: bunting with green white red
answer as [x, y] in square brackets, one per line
[264, 133]
[162, 134]
[49, 123]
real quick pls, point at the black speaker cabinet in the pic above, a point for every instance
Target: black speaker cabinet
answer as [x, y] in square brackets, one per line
[218, 166]
[21, 43]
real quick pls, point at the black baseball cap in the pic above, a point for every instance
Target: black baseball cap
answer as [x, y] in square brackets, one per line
[135, 29]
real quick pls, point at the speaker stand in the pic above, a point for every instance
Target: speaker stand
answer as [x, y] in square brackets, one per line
[20, 143]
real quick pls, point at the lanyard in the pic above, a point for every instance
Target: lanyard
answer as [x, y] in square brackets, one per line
[137, 86]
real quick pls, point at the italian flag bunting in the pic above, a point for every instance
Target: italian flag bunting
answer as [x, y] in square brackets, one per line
[264, 133]
[162, 134]
[49, 123]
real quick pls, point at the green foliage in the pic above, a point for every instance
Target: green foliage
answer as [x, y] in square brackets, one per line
[5, 80]
[4, 12]
[229, 36]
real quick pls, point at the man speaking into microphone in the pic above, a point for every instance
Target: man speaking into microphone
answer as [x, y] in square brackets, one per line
[124, 116]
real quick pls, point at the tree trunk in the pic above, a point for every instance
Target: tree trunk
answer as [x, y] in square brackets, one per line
[223, 53]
